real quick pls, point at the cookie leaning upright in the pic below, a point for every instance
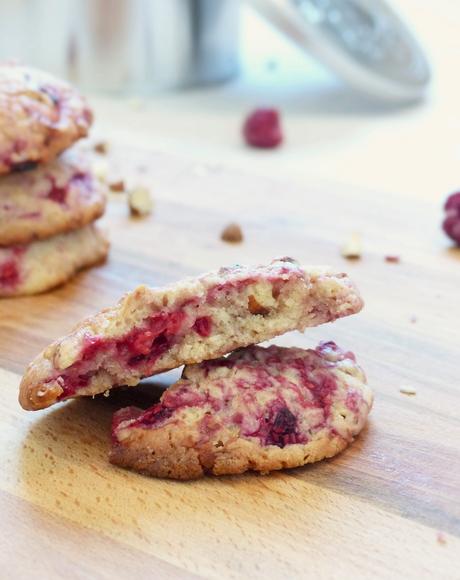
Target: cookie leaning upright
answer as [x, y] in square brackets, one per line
[152, 330]
[40, 116]
[48, 203]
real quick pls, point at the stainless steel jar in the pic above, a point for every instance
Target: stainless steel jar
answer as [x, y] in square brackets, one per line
[129, 46]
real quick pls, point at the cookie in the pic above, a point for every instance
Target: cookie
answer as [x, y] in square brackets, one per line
[152, 330]
[42, 265]
[259, 409]
[57, 197]
[40, 116]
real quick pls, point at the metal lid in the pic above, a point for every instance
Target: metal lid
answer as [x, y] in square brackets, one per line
[363, 41]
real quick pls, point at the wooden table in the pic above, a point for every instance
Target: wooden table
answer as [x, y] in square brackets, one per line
[388, 507]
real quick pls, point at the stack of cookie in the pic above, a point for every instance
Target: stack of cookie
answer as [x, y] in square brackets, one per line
[47, 203]
[258, 408]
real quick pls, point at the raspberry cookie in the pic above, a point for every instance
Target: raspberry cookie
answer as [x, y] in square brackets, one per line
[54, 198]
[40, 116]
[153, 330]
[258, 409]
[39, 266]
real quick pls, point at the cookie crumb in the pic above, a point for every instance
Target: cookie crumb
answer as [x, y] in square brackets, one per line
[100, 169]
[407, 390]
[117, 186]
[392, 259]
[232, 234]
[140, 202]
[101, 147]
[441, 538]
[352, 249]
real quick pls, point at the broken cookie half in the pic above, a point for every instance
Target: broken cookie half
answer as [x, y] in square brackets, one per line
[152, 330]
[258, 409]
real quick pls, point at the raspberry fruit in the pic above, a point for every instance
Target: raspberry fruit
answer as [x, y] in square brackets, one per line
[451, 223]
[262, 129]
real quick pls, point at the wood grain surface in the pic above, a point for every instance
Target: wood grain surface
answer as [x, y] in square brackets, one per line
[388, 507]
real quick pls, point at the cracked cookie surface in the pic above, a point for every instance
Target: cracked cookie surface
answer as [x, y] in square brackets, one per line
[258, 409]
[40, 116]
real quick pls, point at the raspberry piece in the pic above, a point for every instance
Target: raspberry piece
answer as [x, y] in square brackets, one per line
[453, 202]
[57, 193]
[9, 273]
[283, 429]
[203, 326]
[262, 129]
[142, 343]
[451, 226]
[451, 223]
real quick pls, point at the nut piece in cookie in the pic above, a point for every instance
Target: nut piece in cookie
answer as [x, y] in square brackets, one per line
[258, 409]
[152, 330]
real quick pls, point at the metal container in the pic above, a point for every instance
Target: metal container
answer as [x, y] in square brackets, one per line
[128, 46]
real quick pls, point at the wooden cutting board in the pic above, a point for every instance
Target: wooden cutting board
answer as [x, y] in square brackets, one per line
[388, 507]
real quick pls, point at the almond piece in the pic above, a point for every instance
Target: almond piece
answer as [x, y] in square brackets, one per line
[101, 147]
[232, 234]
[352, 249]
[140, 201]
[407, 390]
[117, 186]
[254, 307]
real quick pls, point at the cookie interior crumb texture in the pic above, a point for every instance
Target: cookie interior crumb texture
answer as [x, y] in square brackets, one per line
[153, 330]
[257, 409]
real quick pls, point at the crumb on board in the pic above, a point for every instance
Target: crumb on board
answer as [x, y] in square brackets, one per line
[140, 201]
[101, 147]
[392, 259]
[352, 249]
[117, 186]
[232, 234]
[407, 390]
[441, 538]
[100, 169]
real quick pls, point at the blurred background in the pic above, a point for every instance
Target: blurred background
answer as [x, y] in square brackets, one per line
[362, 100]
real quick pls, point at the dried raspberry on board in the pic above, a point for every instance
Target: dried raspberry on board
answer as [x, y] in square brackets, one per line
[451, 223]
[262, 128]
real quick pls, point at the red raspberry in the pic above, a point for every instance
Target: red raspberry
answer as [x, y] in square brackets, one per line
[262, 129]
[9, 273]
[451, 223]
[203, 326]
[453, 202]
